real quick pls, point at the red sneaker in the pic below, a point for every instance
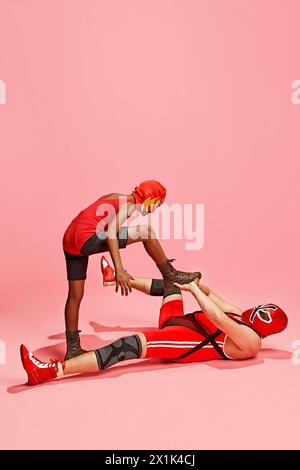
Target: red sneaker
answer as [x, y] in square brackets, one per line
[38, 371]
[108, 272]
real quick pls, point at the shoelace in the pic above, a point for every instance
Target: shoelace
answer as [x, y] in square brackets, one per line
[183, 274]
[179, 273]
[53, 362]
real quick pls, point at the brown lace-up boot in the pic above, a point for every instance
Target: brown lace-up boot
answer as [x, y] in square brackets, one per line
[73, 344]
[171, 275]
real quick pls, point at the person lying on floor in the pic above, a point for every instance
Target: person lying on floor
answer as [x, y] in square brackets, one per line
[220, 330]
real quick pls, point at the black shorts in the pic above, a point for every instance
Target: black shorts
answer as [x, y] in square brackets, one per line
[77, 264]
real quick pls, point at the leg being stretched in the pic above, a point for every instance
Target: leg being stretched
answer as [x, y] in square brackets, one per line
[172, 306]
[153, 287]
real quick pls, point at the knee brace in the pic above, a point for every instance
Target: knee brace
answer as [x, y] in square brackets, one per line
[121, 350]
[168, 292]
[157, 287]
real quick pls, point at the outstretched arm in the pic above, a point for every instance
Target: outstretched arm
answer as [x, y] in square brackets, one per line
[244, 338]
[122, 277]
[224, 305]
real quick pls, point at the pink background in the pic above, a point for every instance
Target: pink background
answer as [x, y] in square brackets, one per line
[104, 94]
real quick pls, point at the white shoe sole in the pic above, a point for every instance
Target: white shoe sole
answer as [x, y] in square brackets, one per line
[109, 283]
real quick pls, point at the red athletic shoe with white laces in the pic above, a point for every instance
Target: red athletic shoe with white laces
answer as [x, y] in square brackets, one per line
[108, 272]
[37, 370]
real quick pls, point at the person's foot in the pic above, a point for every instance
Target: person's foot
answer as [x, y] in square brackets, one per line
[74, 348]
[108, 272]
[171, 275]
[38, 371]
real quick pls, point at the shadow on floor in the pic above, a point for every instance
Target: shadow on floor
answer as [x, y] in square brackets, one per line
[98, 328]
[144, 365]
[92, 341]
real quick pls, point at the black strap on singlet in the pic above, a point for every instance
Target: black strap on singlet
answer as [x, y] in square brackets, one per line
[190, 322]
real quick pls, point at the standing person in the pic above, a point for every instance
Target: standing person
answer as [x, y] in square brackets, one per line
[98, 229]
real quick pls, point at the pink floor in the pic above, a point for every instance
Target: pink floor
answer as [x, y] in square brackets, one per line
[203, 96]
[150, 404]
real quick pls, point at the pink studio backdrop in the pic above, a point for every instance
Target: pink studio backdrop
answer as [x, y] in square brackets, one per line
[104, 94]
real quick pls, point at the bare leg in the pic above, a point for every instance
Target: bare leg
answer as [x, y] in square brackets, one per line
[83, 364]
[145, 234]
[171, 297]
[75, 295]
[142, 284]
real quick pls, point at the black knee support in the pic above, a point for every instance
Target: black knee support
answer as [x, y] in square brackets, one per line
[157, 287]
[121, 350]
[171, 292]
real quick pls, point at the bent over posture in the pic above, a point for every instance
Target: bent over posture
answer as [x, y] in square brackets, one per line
[219, 330]
[99, 228]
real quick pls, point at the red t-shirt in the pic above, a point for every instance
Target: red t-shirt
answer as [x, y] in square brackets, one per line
[91, 220]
